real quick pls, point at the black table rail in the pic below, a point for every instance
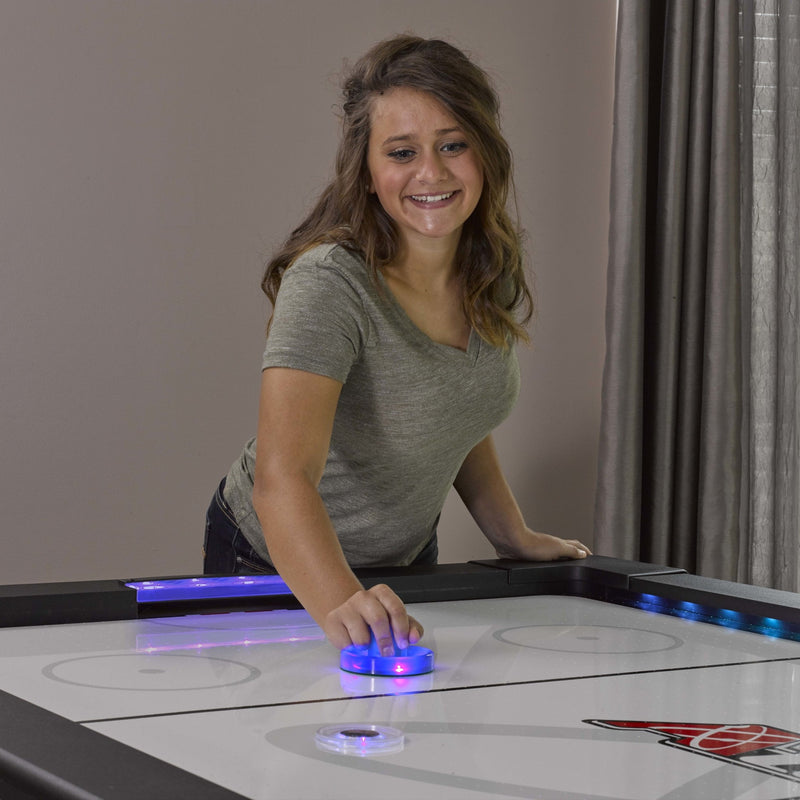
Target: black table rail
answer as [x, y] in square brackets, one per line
[647, 586]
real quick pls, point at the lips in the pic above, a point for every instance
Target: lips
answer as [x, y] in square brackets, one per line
[439, 200]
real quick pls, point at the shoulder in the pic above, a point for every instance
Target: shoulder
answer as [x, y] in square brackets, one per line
[332, 259]
[319, 322]
[326, 285]
[325, 272]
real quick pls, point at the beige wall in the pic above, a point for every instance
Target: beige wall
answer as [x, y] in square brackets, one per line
[151, 153]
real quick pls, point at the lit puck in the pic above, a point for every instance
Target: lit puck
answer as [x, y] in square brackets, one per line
[412, 660]
[359, 740]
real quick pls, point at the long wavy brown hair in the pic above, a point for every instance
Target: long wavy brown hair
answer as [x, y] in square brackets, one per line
[496, 298]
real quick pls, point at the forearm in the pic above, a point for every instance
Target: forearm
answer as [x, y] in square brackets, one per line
[295, 423]
[488, 497]
[485, 492]
[303, 544]
[306, 552]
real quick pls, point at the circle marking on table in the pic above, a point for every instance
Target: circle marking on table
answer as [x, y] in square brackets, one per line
[590, 639]
[154, 672]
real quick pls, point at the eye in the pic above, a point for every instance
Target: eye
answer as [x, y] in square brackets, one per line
[402, 154]
[454, 148]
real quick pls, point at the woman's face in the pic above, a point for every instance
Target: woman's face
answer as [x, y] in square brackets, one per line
[422, 168]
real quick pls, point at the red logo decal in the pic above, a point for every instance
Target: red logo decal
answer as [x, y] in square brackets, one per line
[759, 747]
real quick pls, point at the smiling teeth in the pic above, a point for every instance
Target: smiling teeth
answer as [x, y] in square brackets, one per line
[431, 198]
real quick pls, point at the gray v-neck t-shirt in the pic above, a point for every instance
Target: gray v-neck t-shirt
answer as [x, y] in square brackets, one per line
[409, 412]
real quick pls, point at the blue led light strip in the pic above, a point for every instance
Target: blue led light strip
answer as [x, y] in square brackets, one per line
[766, 626]
[231, 586]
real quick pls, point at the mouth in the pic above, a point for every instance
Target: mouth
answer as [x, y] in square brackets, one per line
[427, 199]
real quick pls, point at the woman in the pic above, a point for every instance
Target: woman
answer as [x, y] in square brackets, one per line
[390, 354]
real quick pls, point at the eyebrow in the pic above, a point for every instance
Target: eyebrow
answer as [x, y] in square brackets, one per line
[404, 137]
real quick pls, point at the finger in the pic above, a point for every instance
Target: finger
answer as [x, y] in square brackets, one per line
[400, 622]
[382, 631]
[358, 631]
[577, 549]
[366, 619]
[397, 618]
[347, 624]
[340, 635]
[415, 632]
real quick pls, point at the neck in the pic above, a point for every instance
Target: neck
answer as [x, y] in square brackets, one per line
[426, 265]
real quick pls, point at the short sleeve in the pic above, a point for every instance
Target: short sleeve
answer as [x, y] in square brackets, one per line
[319, 324]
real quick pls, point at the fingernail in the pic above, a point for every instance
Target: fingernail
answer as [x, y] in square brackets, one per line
[387, 651]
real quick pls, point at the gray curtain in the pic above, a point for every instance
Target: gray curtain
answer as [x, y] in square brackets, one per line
[699, 462]
[669, 487]
[770, 262]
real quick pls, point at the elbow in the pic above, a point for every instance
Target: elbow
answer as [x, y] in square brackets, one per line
[266, 489]
[279, 492]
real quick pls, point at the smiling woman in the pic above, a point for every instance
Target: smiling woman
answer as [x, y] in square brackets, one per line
[390, 356]
[154, 155]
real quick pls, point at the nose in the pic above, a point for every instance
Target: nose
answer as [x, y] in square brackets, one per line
[431, 168]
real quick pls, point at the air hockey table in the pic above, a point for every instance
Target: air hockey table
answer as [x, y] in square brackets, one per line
[586, 680]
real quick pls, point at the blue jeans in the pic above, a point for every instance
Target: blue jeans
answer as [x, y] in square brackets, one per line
[227, 551]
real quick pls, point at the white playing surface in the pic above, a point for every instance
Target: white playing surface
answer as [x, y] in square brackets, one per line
[238, 698]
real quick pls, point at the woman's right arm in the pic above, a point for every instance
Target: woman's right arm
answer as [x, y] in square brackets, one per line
[296, 415]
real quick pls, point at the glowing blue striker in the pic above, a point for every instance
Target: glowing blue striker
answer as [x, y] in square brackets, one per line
[411, 660]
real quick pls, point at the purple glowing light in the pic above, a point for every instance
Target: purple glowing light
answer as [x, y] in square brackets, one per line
[207, 588]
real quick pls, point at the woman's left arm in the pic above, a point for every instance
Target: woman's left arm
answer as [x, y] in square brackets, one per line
[482, 486]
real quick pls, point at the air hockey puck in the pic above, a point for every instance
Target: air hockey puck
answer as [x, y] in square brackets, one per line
[355, 739]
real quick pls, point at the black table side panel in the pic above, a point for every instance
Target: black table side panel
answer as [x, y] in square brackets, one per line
[439, 582]
[48, 756]
[611, 572]
[59, 603]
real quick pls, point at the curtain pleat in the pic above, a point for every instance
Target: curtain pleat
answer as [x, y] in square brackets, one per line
[721, 424]
[618, 498]
[673, 363]
[770, 557]
[664, 281]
